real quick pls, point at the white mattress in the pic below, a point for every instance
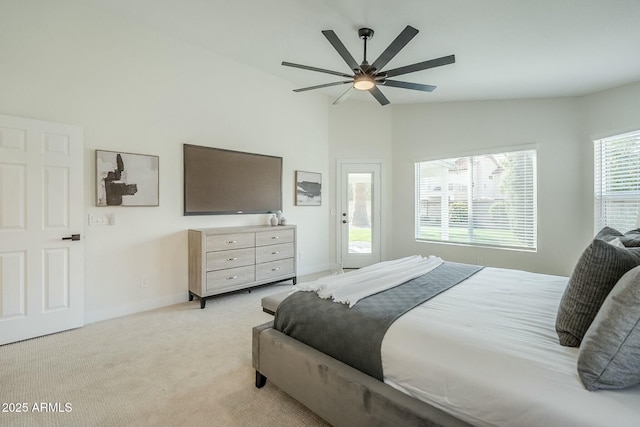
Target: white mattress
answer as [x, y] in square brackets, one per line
[486, 351]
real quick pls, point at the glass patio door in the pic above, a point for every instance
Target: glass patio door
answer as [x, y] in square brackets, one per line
[359, 214]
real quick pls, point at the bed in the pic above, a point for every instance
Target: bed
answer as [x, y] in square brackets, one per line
[485, 351]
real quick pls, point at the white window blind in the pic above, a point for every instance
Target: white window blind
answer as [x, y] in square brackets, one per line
[487, 200]
[617, 182]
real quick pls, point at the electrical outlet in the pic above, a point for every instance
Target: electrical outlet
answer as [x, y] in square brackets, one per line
[144, 282]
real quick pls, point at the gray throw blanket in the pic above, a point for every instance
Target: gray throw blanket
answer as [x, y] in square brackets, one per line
[354, 335]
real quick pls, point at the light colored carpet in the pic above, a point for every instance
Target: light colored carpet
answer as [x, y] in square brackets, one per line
[175, 366]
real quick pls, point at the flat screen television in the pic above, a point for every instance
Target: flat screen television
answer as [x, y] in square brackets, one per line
[220, 182]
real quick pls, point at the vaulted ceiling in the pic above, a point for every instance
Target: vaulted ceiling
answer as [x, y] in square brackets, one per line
[504, 48]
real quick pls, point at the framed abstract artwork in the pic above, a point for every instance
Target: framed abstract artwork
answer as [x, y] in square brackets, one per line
[308, 188]
[126, 179]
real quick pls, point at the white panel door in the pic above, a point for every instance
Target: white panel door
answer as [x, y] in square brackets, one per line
[41, 207]
[360, 197]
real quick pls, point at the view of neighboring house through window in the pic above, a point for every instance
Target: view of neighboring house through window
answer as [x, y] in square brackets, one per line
[617, 182]
[486, 200]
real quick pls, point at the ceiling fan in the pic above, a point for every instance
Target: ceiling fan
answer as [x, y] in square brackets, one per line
[369, 77]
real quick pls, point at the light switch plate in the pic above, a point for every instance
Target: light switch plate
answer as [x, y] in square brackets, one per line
[102, 219]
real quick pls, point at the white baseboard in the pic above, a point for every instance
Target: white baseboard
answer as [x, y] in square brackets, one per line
[151, 304]
[137, 307]
[315, 269]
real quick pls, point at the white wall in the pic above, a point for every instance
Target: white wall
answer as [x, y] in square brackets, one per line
[612, 112]
[460, 128]
[360, 131]
[135, 90]
[563, 130]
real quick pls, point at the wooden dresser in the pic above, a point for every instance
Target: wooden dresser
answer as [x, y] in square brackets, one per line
[228, 259]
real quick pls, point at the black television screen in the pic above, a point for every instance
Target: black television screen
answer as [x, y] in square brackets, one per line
[218, 181]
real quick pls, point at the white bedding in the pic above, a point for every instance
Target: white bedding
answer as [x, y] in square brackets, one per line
[486, 351]
[351, 287]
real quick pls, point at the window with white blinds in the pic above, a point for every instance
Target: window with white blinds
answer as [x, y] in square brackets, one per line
[484, 200]
[617, 182]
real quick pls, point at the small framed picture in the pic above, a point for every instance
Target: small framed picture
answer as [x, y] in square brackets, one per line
[126, 179]
[308, 188]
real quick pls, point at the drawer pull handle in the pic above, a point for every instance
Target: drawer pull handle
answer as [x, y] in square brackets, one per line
[275, 269]
[275, 237]
[232, 277]
[232, 259]
[275, 253]
[230, 242]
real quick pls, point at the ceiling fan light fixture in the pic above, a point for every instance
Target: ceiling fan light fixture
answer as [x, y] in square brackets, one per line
[363, 82]
[369, 76]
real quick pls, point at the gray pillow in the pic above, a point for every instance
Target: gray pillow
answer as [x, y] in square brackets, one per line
[600, 266]
[609, 356]
[631, 238]
[608, 234]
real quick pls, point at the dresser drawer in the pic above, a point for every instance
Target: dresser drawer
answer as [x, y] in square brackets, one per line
[229, 279]
[229, 259]
[274, 236]
[223, 242]
[274, 252]
[274, 269]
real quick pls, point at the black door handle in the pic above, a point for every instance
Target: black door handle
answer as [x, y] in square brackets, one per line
[72, 237]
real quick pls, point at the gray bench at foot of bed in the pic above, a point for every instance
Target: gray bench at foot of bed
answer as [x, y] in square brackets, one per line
[271, 302]
[338, 393]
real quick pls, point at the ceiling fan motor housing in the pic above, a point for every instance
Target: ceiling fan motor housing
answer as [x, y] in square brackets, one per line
[365, 33]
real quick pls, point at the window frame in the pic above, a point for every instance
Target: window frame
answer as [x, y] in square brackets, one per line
[533, 247]
[601, 196]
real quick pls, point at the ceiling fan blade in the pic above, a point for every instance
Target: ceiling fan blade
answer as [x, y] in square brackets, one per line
[344, 53]
[342, 97]
[407, 85]
[321, 86]
[432, 63]
[378, 95]
[320, 70]
[392, 50]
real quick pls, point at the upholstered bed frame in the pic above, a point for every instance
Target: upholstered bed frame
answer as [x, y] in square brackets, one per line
[338, 393]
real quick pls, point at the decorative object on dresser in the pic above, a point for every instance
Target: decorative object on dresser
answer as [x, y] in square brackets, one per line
[228, 259]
